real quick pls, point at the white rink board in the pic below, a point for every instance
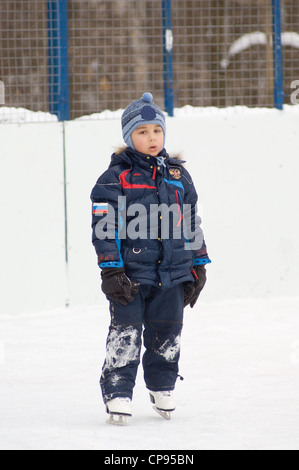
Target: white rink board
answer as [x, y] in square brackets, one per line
[32, 275]
[244, 164]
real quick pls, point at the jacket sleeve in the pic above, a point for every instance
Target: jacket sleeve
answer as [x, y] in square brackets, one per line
[106, 197]
[192, 223]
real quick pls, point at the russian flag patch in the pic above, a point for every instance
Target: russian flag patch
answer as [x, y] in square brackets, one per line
[100, 208]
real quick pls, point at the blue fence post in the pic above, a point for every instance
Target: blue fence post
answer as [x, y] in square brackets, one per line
[277, 55]
[58, 59]
[167, 56]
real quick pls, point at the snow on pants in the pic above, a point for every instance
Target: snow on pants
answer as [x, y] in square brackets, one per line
[158, 314]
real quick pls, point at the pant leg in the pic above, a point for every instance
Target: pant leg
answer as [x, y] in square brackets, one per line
[123, 348]
[163, 321]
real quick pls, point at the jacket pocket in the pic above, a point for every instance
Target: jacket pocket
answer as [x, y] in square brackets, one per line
[140, 255]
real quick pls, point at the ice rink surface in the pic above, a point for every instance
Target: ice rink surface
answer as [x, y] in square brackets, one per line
[239, 360]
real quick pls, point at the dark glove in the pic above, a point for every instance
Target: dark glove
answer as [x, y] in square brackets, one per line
[192, 291]
[117, 286]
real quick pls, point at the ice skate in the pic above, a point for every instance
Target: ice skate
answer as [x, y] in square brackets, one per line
[163, 403]
[120, 410]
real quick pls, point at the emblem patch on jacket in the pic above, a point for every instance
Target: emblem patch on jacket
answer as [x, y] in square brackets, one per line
[175, 173]
[100, 208]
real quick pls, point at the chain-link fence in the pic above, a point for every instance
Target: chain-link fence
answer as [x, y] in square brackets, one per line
[105, 53]
[23, 54]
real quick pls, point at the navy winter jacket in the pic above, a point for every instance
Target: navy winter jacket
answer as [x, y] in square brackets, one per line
[131, 202]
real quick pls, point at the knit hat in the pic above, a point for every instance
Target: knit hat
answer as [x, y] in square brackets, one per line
[143, 111]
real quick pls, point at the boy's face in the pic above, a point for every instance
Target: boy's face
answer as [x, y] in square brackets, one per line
[148, 139]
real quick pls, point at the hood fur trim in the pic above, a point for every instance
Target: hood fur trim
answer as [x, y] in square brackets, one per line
[175, 156]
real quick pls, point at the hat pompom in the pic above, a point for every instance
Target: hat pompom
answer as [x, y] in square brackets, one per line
[147, 97]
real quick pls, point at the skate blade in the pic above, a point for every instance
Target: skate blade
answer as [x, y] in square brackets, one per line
[165, 414]
[118, 419]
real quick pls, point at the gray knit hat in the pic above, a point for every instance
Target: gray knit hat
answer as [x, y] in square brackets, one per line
[143, 111]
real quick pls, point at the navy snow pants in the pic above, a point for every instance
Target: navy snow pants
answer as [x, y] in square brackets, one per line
[158, 314]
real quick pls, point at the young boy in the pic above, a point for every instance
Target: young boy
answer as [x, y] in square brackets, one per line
[153, 264]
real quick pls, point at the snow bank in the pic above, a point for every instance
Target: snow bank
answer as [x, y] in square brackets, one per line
[244, 163]
[21, 115]
[257, 38]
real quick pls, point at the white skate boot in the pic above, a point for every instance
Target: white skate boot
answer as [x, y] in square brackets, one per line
[163, 402]
[119, 409]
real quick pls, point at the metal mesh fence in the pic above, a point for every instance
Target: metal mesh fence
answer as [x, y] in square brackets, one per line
[23, 53]
[233, 63]
[115, 53]
[290, 41]
[222, 53]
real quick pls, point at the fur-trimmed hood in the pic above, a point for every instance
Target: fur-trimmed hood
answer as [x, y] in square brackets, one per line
[124, 151]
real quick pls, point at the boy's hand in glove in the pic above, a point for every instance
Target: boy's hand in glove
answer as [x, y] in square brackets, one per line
[192, 291]
[117, 286]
